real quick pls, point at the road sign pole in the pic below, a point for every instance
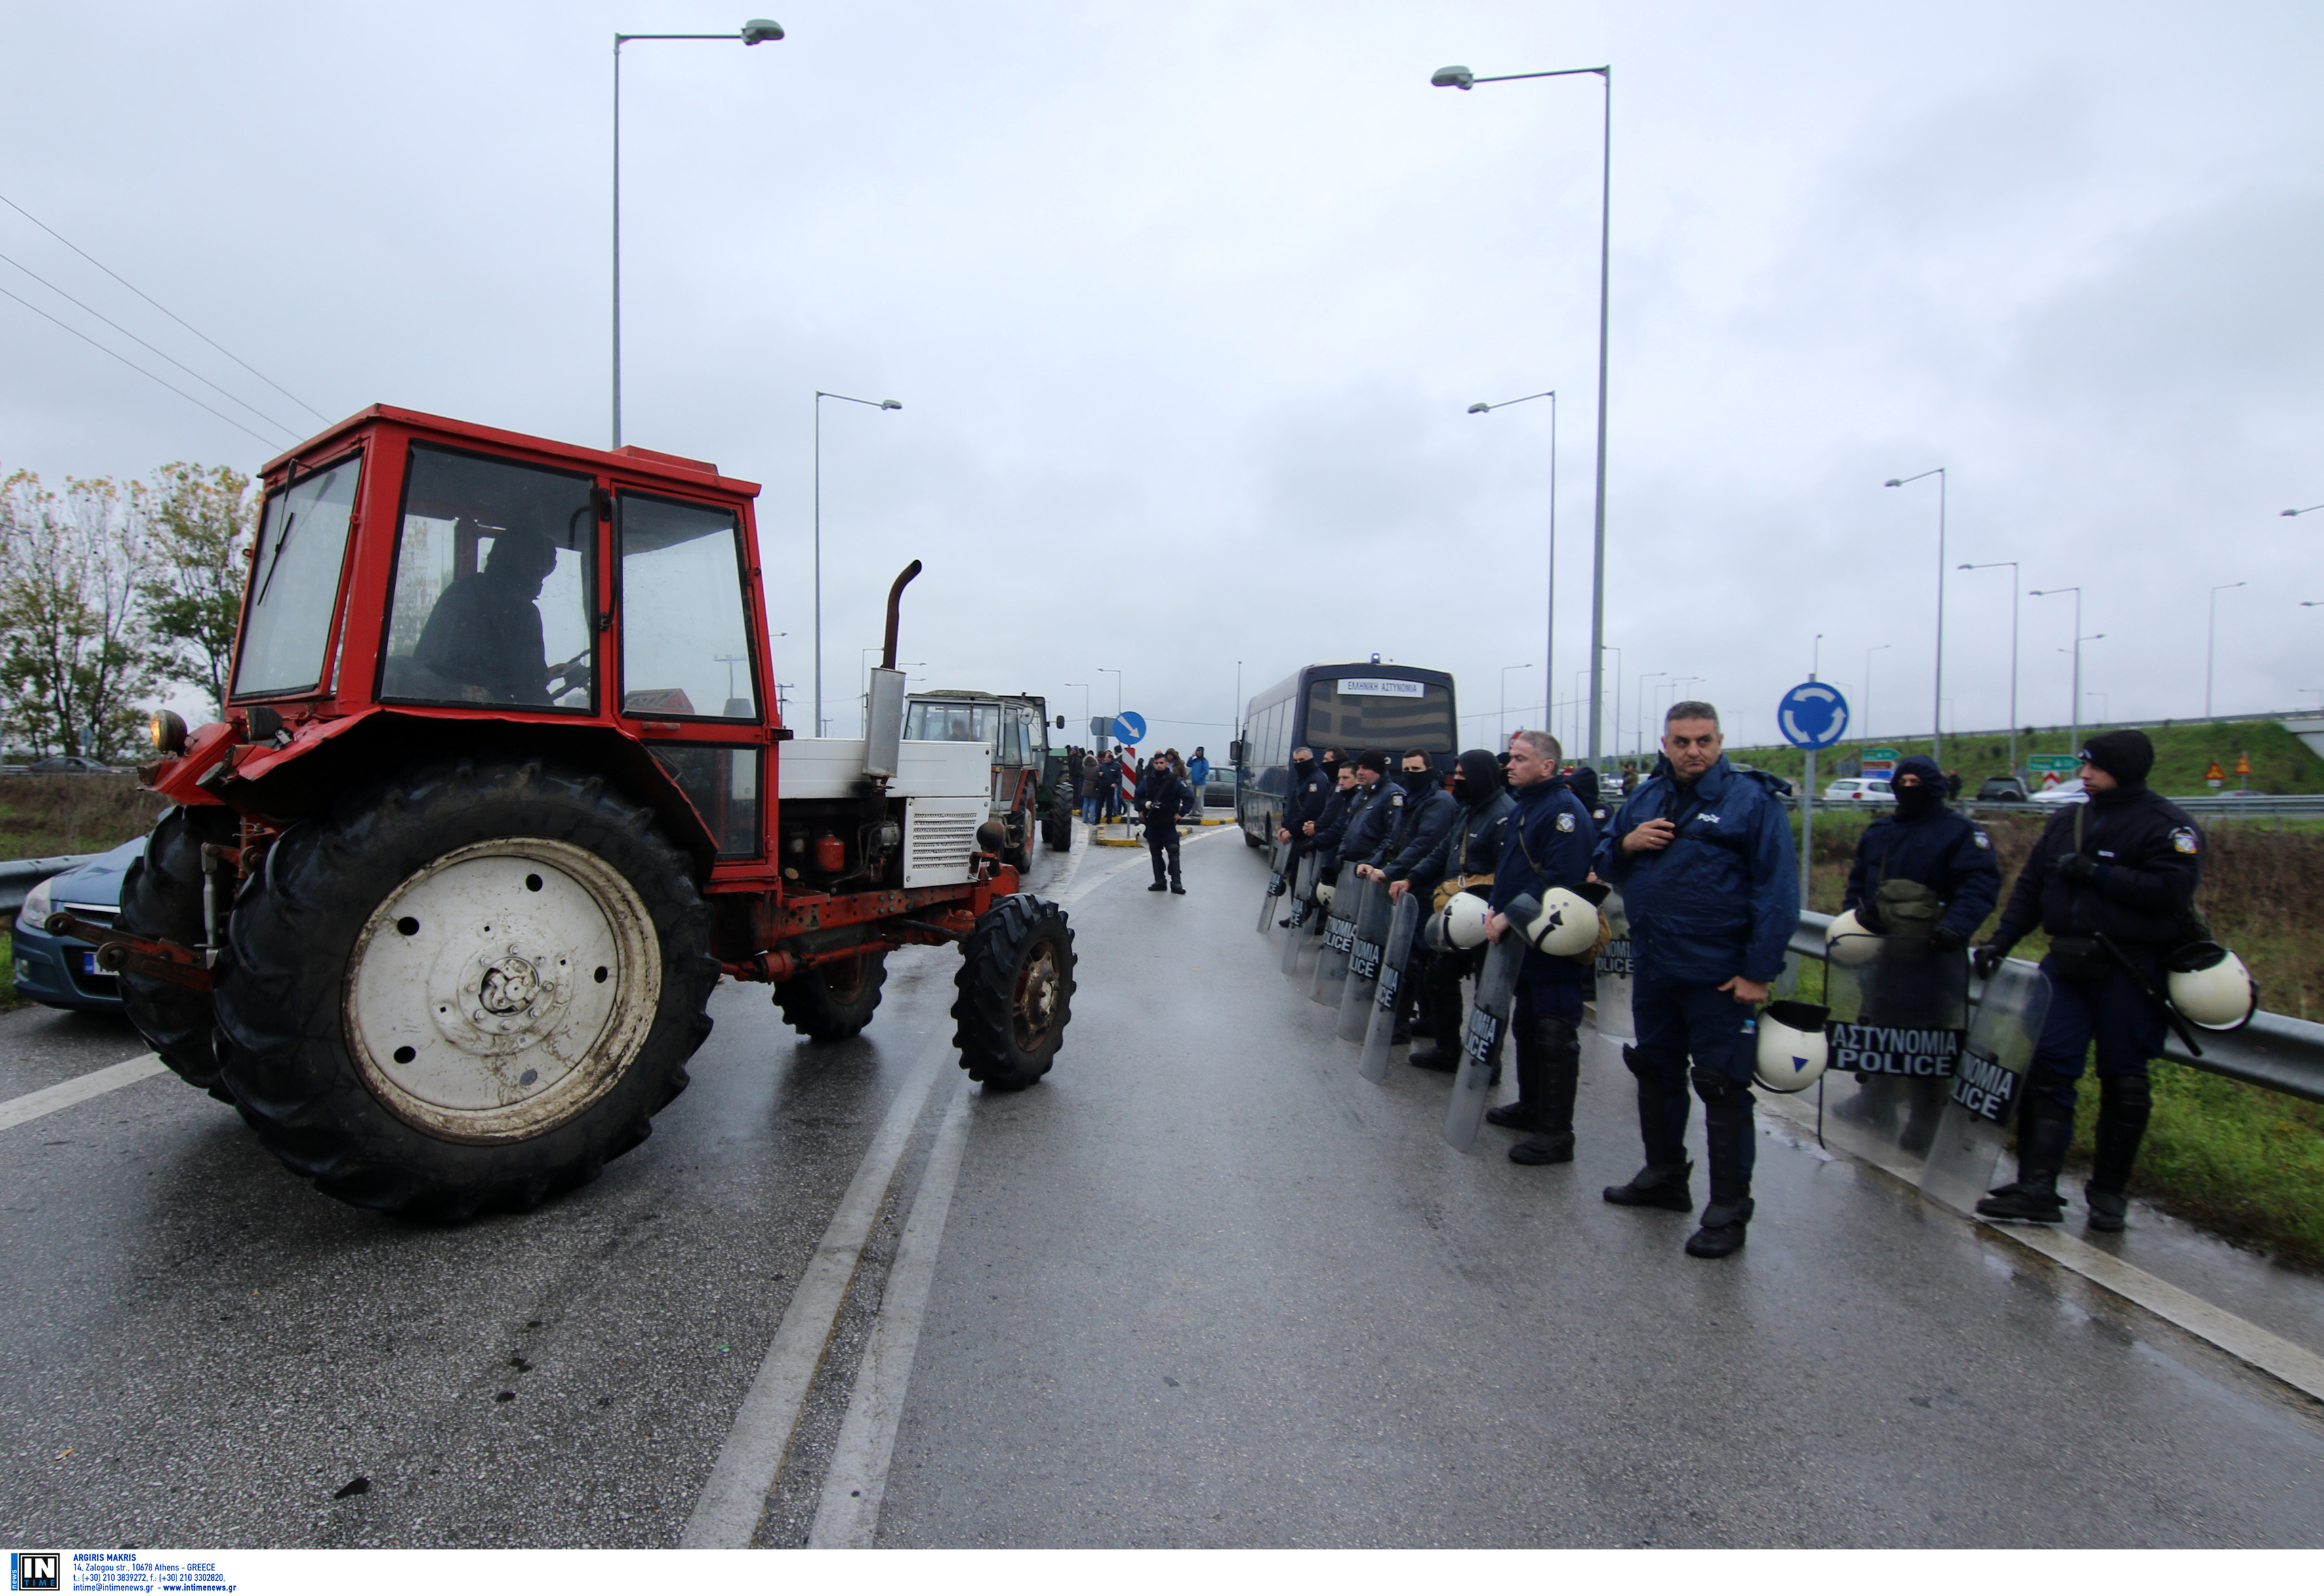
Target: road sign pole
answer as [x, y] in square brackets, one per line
[1807, 829]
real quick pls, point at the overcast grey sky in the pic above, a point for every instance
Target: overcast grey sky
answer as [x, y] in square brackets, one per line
[1186, 306]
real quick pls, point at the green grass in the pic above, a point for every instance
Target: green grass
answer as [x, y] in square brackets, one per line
[2281, 762]
[8, 998]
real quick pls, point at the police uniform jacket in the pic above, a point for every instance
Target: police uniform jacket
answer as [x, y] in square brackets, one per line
[1549, 842]
[1723, 899]
[1161, 797]
[1473, 847]
[1305, 800]
[1333, 822]
[1372, 821]
[1943, 850]
[2150, 858]
[1427, 818]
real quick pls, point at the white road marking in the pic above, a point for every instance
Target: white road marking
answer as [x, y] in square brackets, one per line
[48, 1100]
[2239, 1338]
[855, 1482]
[734, 1498]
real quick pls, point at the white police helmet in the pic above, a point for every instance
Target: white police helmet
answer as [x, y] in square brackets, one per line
[1562, 924]
[2211, 987]
[1846, 942]
[1792, 1051]
[1324, 890]
[1460, 923]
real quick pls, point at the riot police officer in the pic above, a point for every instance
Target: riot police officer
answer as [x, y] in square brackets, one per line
[1302, 805]
[1548, 843]
[1374, 811]
[1702, 856]
[1468, 856]
[1162, 796]
[2112, 881]
[1923, 880]
[1424, 818]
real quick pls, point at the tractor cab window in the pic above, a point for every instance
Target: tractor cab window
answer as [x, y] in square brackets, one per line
[494, 573]
[685, 646]
[294, 582]
[954, 723]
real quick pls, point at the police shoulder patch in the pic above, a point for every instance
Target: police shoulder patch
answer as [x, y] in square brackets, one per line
[1565, 823]
[2183, 839]
[1983, 840]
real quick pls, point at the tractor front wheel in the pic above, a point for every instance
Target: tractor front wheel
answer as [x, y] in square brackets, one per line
[1016, 986]
[464, 987]
[162, 898]
[833, 1002]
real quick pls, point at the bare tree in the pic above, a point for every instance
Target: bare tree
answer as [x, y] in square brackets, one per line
[73, 658]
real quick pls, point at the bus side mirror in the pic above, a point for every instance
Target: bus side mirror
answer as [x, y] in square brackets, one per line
[1235, 751]
[1061, 723]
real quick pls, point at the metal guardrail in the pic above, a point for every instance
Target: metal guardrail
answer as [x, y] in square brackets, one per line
[20, 876]
[2283, 803]
[2274, 1051]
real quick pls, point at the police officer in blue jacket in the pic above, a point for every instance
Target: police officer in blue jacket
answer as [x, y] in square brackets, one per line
[1302, 805]
[1374, 813]
[1702, 856]
[1423, 820]
[1549, 842]
[1925, 843]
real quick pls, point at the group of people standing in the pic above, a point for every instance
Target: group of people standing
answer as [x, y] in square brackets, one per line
[1109, 779]
[1702, 852]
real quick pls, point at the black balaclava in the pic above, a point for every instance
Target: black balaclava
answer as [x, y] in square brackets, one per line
[1416, 783]
[1584, 783]
[2127, 756]
[1476, 777]
[1331, 766]
[1928, 797]
[1301, 765]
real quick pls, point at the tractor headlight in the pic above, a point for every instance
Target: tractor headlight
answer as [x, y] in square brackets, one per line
[168, 730]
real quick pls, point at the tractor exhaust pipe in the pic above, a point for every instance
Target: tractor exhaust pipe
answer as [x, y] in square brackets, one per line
[883, 719]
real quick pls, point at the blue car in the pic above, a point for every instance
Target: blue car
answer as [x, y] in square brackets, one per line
[61, 971]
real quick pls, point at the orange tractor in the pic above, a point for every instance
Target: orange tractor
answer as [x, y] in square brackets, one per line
[501, 794]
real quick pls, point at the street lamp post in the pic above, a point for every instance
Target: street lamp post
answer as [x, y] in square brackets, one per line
[1549, 646]
[1639, 716]
[1995, 565]
[2046, 593]
[757, 31]
[1462, 77]
[877, 405]
[1604, 650]
[2311, 509]
[1937, 712]
[2211, 642]
[1505, 698]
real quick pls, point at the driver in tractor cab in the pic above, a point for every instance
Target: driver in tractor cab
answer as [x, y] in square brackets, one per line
[484, 634]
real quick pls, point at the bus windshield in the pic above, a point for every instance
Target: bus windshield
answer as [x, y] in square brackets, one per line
[1353, 713]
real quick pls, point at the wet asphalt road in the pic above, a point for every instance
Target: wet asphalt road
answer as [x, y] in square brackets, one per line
[1204, 1287]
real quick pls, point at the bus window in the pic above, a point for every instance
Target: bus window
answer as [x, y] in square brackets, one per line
[1352, 714]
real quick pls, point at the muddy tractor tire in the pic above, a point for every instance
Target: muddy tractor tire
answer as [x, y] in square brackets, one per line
[162, 898]
[1018, 856]
[1016, 986]
[464, 987]
[832, 1003]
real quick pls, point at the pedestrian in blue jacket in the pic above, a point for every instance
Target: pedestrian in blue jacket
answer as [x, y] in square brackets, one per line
[1702, 856]
[1548, 844]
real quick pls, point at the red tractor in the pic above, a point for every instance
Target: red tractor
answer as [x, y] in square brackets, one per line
[501, 794]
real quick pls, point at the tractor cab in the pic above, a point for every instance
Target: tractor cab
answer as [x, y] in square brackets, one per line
[1031, 789]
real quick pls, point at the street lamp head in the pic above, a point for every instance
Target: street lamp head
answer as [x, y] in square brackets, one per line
[1479, 408]
[1894, 482]
[761, 30]
[891, 404]
[1454, 78]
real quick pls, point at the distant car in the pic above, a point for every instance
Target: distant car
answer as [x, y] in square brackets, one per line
[2065, 792]
[61, 971]
[1218, 792]
[77, 764]
[1859, 789]
[2002, 790]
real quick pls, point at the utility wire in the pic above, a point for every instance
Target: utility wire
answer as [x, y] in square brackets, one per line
[164, 310]
[139, 370]
[164, 354]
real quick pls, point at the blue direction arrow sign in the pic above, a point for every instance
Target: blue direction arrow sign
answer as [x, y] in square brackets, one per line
[1129, 726]
[1812, 715]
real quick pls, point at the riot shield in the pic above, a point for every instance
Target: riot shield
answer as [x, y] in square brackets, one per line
[1303, 908]
[1396, 957]
[1899, 1017]
[1987, 1085]
[1617, 965]
[1480, 1043]
[1271, 908]
[1364, 962]
[1340, 937]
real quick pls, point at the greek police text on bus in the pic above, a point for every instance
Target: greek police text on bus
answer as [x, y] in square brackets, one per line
[1549, 842]
[1703, 855]
[2123, 866]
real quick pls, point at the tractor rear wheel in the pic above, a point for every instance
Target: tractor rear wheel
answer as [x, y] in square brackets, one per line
[1058, 829]
[464, 987]
[1015, 985]
[162, 898]
[832, 1003]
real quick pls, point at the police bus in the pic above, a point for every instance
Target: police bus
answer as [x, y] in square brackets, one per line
[1349, 708]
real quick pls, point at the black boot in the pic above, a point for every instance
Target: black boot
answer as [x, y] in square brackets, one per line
[1437, 995]
[1726, 1133]
[1549, 1068]
[2124, 1105]
[1662, 1183]
[2041, 1141]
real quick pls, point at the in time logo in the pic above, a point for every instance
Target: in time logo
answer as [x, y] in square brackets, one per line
[35, 1571]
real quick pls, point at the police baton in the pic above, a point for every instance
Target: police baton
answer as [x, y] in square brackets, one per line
[2178, 1023]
